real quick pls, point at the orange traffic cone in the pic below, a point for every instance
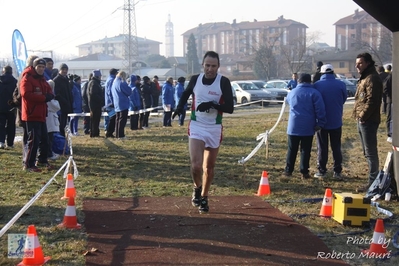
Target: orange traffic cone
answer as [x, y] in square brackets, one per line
[326, 206]
[70, 220]
[33, 253]
[264, 188]
[69, 188]
[378, 245]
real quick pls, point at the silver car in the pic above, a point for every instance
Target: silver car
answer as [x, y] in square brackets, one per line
[247, 91]
[279, 93]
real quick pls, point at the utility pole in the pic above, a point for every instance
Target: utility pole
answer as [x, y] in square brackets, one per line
[130, 45]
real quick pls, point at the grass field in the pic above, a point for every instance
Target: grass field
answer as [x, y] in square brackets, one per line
[155, 162]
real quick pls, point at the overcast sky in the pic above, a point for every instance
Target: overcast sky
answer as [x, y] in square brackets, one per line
[62, 25]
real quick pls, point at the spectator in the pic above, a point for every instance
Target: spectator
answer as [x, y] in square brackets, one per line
[317, 75]
[213, 96]
[366, 111]
[35, 93]
[307, 116]
[120, 94]
[146, 95]
[387, 90]
[136, 103]
[77, 104]
[95, 97]
[178, 93]
[156, 92]
[334, 96]
[7, 115]
[52, 123]
[168, 101]
[293, 82]
[109, 121]
[85, 106]
[49, 68]
[383, 75]
[63, 94]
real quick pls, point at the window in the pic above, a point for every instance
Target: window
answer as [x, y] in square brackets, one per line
[341, 64]
[353, 36]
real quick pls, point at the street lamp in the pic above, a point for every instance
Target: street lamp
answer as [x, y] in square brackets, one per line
[138, 65]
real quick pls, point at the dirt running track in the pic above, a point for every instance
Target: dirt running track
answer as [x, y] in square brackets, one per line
[239, 230]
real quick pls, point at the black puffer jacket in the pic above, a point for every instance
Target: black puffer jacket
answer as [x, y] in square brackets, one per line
[7, 86]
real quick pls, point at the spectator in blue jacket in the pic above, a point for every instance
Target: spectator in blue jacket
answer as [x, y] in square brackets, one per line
[109, 121]
[120, 94]
[168, 101]
[77, 104]
[334, 96]
[293, 82]
[136, 104]
[307, 116]
[178, 92]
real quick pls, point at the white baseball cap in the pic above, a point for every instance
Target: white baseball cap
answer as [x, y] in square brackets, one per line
[326, 68]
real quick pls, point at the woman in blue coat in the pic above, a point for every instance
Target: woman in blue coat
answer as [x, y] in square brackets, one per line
[136, 102]
[168, 101]
[120, 95]
[77, 104]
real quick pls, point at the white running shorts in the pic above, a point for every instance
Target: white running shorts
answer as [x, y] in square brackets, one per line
[210, 134]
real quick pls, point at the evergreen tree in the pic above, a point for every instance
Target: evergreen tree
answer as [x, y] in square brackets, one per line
[193, 66]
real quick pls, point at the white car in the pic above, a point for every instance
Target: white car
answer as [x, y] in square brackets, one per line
[247, 91]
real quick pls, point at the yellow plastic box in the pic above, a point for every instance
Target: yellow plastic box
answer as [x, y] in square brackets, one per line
[351, 209]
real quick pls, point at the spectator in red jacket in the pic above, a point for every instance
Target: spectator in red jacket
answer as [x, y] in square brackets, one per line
[35, 93]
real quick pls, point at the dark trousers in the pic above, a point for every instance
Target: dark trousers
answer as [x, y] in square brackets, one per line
[134, 122]
[37, 141]
[368, 138]
[322, 149]
[145, 118]
[389, 119]
[305, 144]
[167, 118]
[181, 118]
[50, 143]
[86, 121]
[111, 125]
[63, 118]
[95, 117]
[120, 123]
[7, 128]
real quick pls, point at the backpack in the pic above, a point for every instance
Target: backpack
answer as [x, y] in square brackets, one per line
[384, 182]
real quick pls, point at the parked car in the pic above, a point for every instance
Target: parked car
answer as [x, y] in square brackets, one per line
[247, 91]
[278, 93]
[277, 83]
[350, 87]
[353, 80]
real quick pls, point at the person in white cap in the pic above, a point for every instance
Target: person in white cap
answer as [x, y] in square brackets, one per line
[334, 96]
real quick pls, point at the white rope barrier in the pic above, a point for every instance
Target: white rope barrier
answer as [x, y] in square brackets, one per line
[263, 137]
[31, 201]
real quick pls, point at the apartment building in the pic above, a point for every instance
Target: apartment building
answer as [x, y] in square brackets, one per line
[359, 30]
[244, 38]
[115, 46]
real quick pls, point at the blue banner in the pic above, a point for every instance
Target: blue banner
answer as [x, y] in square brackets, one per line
[19, 52]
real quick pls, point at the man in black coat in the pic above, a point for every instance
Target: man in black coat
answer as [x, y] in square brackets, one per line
[7, 115]
[95, 95]
[63, 94]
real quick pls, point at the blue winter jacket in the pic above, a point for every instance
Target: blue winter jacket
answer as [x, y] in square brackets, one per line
[334, 96]
[136, 102]
[306, 110]
[77, 98]
[292, 84]
[107, 90]
[178, 92]
[120, 91]
[168, 94]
